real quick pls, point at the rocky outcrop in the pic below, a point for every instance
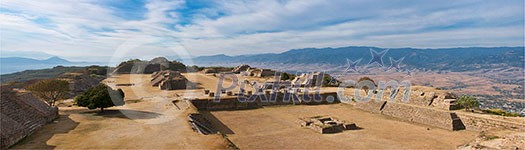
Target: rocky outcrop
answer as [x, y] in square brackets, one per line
[21, 115]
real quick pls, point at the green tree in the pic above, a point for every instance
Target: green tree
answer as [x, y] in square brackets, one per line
[287, 76]
[330, 81]
[468, 102]
[50, 90]
[101, 97]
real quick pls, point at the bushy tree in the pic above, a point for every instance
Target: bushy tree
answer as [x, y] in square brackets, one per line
[101, 97]
[287, 76]
[330, 81]
[468, 102]
[50, 90]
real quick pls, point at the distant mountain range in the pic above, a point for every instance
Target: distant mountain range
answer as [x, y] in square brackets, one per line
[17, 64]
[453, 59]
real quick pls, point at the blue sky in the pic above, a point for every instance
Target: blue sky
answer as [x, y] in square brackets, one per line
[104, 30]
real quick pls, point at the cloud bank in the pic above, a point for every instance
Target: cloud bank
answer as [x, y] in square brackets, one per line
[88, 30]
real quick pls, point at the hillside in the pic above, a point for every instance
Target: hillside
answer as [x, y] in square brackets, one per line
[17, 64]
[54, 72]
[452, 59]
[135, 66]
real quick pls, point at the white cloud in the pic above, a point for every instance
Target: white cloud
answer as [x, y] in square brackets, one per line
[88, 30]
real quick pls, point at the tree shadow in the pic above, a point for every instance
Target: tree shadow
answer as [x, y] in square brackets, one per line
[38, 140]
[124, 114]
[221, 127]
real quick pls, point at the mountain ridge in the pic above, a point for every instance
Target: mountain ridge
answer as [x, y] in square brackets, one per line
[435, 58]
[17, 64]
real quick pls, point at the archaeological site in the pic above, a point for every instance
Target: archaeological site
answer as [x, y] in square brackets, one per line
[247, 107]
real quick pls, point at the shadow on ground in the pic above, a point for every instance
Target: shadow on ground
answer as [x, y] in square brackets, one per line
[38, 140]
[124, 114]
[221, 127]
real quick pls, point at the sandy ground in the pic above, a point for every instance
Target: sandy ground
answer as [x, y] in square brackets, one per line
[277, 127]
[150, 120]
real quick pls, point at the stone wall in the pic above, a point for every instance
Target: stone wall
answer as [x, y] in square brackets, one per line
[22, 114]
[437, 118]
[371, 106]
[224, 104]
[413, 113]
[479, 123]
[231, 102]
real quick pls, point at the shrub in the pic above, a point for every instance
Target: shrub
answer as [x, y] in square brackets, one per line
[501, 112]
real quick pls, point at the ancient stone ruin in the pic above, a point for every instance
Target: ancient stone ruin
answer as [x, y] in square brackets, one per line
[241, 68]
[326, 124]
[259, 72]
[309, 79]
[426, 106]
[170, 80]
[21, 115]
[264, 73]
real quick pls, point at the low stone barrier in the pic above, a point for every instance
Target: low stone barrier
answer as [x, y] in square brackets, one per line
[479, 123]
[232, 103]
[371, 106]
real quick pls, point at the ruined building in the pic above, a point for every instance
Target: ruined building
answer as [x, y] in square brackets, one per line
[21, 115]
[263, 73]
[326, 124]
[170, 80]
[425, 105]
[308, 79]
[241, 68]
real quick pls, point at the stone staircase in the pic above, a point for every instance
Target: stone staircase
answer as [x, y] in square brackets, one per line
[22, 114]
